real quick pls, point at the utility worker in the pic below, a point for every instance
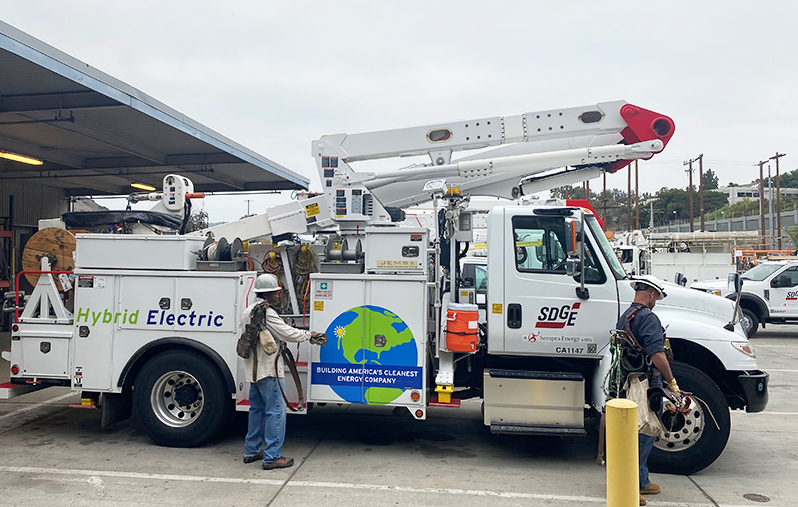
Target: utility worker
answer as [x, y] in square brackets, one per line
[266, 428]
[647, 330]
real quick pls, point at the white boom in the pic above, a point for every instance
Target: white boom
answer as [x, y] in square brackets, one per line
[590, 139]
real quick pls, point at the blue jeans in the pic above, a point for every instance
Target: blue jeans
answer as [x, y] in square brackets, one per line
[266, 427]
[645, 442]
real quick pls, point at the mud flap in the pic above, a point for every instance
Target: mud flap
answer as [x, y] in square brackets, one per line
[116, 408]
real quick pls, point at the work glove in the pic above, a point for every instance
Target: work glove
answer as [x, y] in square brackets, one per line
[318, 338]
[672, 386]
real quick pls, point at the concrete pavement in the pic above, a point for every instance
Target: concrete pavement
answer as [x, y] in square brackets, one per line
[52, 455]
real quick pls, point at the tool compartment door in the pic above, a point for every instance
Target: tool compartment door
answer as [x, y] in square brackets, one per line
[96, 316]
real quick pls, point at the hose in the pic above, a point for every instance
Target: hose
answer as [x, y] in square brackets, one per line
[271, 264]
[304, 265]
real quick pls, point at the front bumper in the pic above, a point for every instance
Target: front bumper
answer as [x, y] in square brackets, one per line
[755, 390]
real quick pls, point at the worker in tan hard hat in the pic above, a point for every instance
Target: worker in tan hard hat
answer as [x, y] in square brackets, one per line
[264, 371]
[648, 334]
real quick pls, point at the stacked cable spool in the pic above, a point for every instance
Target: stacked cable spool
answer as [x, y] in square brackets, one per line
[58, 245]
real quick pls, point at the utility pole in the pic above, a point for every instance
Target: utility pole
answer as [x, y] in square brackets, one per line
[629, 197]
[701, 188]
[604, 200]
[248, 201]
[690, 189]
[778, 196]
[770, 209]
[637, 198]
[761, 203]
[587, 190]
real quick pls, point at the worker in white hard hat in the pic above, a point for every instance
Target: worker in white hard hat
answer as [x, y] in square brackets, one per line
[266, 428]
[647, 330]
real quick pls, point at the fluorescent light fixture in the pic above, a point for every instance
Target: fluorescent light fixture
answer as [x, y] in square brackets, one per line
[143, 186]
[20, 158]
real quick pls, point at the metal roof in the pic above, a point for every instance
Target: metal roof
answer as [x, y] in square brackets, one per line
[96, 134]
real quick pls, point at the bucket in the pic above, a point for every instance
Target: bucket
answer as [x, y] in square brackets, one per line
[462, 327]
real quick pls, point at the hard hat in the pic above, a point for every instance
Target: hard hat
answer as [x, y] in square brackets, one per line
[267, 283]
[646, 282]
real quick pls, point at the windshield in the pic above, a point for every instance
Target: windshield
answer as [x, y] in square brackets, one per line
[605, 247]
[759, 273]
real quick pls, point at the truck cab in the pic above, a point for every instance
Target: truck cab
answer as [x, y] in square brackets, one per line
[539, 319]
[769, 294]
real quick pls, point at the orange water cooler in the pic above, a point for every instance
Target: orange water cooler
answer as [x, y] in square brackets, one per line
[462, 327]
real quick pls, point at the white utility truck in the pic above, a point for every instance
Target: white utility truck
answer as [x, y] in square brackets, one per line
[683, 257]
[150, 326]
[769, 294]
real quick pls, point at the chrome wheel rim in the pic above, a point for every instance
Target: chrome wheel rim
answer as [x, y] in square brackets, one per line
[177, 399]
[745, 320]
[681, 431]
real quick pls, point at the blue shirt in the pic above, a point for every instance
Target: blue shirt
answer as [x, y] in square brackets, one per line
[646, 327]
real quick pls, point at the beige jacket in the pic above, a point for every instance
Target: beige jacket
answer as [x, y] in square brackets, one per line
[281, 332]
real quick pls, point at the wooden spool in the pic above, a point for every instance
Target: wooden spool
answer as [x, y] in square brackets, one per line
[58, 244]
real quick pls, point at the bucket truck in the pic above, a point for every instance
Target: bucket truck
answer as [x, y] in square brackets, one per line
[399, 312]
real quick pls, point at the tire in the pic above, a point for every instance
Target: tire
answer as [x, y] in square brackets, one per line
[752, 323]
[682, 455]
[194, 383]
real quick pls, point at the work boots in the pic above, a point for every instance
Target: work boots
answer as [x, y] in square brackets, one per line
[651, 489]
[281, 462]
[642, 500]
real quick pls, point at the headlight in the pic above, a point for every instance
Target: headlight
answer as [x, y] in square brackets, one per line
[745, 347]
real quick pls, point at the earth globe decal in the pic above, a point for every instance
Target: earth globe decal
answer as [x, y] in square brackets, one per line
[351, 342]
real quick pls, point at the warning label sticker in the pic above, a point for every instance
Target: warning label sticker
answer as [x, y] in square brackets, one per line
[318, 306]
[496, 307]
[397, 264]
[312, 209]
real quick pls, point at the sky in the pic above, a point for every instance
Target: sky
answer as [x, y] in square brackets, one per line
[273, 76]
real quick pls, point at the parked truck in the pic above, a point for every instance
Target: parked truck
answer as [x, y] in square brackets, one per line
[156, 318]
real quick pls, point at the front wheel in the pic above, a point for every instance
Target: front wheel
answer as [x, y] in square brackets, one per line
[692, 442]
[180, 399]
[749, 322]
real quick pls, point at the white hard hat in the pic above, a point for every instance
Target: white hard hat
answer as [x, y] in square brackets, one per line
[646, 282]
[266, 283]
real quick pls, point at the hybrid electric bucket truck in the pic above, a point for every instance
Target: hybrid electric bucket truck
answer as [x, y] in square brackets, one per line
[156, 318]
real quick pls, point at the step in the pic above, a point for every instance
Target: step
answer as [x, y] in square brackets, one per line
[561, 431]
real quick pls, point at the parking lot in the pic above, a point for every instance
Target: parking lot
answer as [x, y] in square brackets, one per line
[54, 455]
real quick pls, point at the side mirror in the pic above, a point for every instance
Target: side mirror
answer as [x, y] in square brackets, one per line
[680, 279]
[735, 283]
[573, 265]
[572, 235]
[780, 281]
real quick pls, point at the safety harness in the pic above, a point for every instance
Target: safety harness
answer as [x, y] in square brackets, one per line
[250, 340]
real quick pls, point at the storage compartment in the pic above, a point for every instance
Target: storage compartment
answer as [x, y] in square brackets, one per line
[42, 351]
[462, 327]
[134, 251]
[391, 250]
[527, 398]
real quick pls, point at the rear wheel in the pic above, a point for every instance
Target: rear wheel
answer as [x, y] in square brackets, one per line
[180, 399]
[749, 322]
[692, 442]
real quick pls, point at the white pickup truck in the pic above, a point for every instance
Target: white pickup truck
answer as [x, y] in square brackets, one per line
[770, 294]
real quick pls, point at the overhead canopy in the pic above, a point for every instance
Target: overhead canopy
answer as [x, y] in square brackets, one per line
[96, 135]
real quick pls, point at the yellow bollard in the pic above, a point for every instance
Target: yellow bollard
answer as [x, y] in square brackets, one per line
[623, 482]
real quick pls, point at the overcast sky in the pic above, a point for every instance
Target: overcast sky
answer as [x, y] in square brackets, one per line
[273, 76]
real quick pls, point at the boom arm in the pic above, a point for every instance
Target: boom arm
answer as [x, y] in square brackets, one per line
[524, 145]
[590, 139]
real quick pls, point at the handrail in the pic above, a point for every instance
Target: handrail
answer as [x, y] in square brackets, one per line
[16, 287]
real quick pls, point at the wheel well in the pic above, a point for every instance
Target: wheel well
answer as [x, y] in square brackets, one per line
[752, 304]
[152, 349]
[701, 358]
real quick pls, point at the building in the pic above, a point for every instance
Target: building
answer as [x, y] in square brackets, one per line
[737, 194]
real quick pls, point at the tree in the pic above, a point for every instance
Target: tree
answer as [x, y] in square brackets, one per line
[710, 180]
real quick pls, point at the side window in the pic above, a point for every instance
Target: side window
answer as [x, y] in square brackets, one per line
[539, 243]
[540, 247]
[481, 282]
[792, 275]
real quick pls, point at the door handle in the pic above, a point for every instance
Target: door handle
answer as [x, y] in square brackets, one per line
[514, 315]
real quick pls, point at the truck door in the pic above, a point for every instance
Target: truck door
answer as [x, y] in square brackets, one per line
[541, 314]
[784, 293]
